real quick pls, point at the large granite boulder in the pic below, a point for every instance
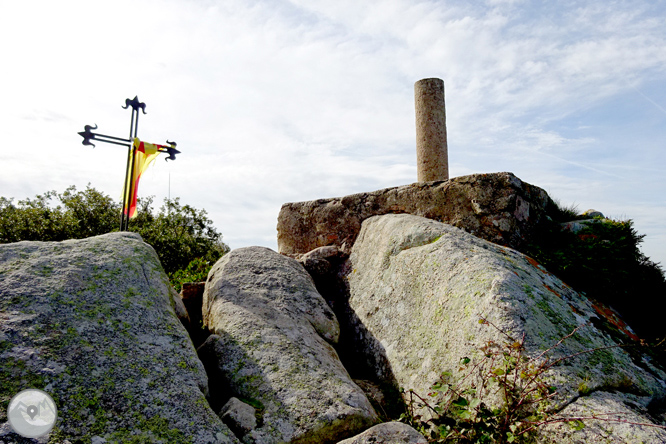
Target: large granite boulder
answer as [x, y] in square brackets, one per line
[271, 348]
[92, 322]
[417, 289]
[498, 207]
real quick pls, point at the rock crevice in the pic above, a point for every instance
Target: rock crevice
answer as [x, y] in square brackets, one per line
[272, 345]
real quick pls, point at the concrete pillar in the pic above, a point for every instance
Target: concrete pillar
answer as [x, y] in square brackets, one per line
[432, 157]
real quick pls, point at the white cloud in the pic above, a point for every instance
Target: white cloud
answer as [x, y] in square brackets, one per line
[291, 100]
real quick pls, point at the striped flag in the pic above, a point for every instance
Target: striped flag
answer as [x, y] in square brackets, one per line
[144, 154]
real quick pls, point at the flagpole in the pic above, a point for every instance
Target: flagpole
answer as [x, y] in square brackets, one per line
[131, 190]
[135, 124]
[130, 149]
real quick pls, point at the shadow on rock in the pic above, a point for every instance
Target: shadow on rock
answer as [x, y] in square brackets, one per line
[329, 268]
[272, 347]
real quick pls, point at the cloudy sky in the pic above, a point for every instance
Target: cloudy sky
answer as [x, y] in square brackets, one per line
[279, 101]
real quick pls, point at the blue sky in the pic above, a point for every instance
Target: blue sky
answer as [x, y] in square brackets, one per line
[281, 101]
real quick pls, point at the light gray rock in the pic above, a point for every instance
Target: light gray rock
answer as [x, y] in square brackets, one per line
[323, 261]
[418, 288]
[593, 213]
[330, 253]
[623, 418]
[388, 433]
[92, 322]
[372, 391]
[272, 346]
[498, 207]
[240, 417]
[179, 307]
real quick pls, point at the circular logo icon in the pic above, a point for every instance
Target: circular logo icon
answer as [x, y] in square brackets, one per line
[32, 413]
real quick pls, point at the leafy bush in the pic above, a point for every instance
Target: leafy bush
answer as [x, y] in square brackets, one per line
[179, 234]
[460, 405]
[563, 213]
[196, 271]
[460, 412]
[78, 215]
[604, 262]
[183, 237]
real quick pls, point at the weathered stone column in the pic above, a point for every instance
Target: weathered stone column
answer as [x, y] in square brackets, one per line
[432, 157]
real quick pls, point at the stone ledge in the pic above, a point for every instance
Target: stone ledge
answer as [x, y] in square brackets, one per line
[497, 207]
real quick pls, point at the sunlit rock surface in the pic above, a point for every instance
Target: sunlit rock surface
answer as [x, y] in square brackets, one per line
[271, 347]
[92, 322]
[497, 207]
[417, 289]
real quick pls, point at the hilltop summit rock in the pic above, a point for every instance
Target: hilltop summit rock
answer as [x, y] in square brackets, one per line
[497, 207]
[375, 278]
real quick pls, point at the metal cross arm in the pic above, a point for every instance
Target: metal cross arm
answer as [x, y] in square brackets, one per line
[88, 135]
[170, 150]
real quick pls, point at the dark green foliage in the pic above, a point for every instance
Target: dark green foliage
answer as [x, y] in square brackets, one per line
[196, 271]
[56, 217]
[179, 234]
[563, 213]
[91, 211]
[604, 261]
[183, 237]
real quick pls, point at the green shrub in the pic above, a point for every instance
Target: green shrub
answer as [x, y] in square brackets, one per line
[459, 410]
[196, 271]
[604, 262]
[179, 234]
[56, 217]
[183, 237]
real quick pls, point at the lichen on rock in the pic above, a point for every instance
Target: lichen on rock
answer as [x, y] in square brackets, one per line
[497, 207]
[92, 323]
[271, 345]
[418, 288]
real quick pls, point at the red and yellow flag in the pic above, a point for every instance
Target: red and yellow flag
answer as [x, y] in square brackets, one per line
[144, 154]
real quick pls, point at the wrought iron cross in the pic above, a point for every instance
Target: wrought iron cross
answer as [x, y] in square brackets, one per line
[88, 135]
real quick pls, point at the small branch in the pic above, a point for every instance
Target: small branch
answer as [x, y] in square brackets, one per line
[592, 350]
[425, 403]
[595, 417]
[623, 421]
[552, 347]
[486, 321]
